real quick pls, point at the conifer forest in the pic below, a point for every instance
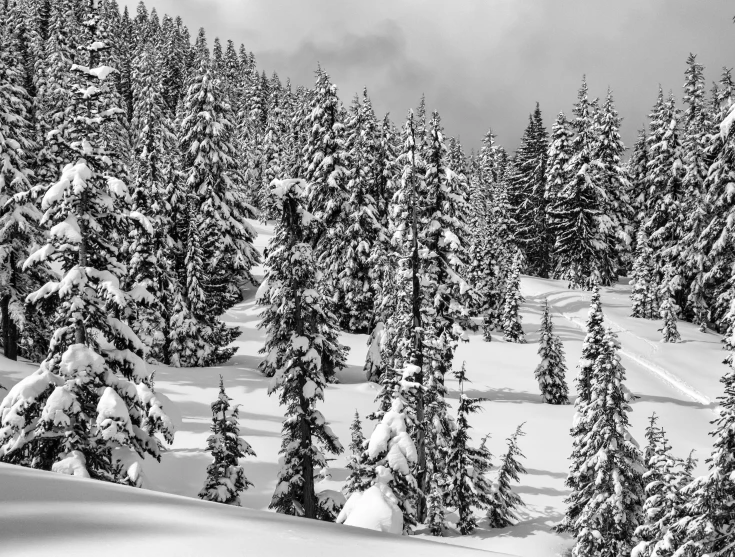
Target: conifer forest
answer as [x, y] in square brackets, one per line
[241, 314]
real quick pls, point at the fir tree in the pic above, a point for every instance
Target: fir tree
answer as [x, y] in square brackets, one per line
[19, 217]
[361, 474]
[504, 502]
[225, 477]
[526, 195]
[664, 480]
[591, 347]
[604, 507]
[669, 309]
[551, 372]
[644, 291]
[219, 249]
[296, 322]
[512, 328]
[90, 409]
[468, 487]
[557, 166]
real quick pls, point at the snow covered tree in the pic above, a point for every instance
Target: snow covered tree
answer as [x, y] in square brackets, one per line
[606, 468]
[612, 179]
[581, 252]
[467, 487]
[664, 224]
[19, 216]
[151, 252]
[358, 234]
[644, 292]
[638, 178]
[225, 477]
[504, 503]
[511, 321]
[557, 167]
[669, 309]
[391, 449]
[219, 252]
[664, 480]
[526, 195]
[551, 372]
[704, 526]
[296, 322]
[591, 346]
[361, 474]
[90, 409]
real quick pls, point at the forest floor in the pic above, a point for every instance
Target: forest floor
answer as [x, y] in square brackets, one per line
[679, 382]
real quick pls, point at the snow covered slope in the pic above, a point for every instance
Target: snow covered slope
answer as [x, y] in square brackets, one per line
[680, 382]
[42, 514]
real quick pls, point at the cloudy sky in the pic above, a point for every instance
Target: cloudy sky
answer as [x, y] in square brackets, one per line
[480, 63]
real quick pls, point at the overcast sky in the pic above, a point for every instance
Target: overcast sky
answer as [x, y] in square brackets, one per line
[480, 63]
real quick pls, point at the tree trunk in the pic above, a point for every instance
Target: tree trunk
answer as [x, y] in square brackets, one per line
[10, 331]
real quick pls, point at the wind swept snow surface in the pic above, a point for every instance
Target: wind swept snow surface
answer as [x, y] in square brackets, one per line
[42, 514]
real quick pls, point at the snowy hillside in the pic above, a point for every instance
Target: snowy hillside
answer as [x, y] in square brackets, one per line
[677, 381]
[42, 513]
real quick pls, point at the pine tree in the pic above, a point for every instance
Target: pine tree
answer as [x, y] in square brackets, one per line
[551, 372]
[361, 474]
[669, 309]
[512, 328]
[638, 179]
[219, 249]
[644, 292]
[225, 477]
[526, 194]
[611, 178]
[468, 487]
[391, 448]
[704, 524]
[504, 502]
[664, 480]
[591, 347]
[151, 263]
[295, 321]
[90, 409]
[604, 507]
[19, 217]
[582, 252]
[557, 166]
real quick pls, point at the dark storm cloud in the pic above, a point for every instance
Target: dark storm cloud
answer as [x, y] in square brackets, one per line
[481, 63]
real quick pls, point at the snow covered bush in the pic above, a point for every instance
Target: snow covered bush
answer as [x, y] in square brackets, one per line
[225, 477]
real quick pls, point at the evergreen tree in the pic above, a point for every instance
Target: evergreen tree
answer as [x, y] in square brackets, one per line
[19, 217]
[644, 291]
[151, 262]
[526, 195]
[219, 250]
[557, 166]
[468, 487]
[512, 328]
[90, 409]
[504, 502]
[391, 448]
[225, 477]
[604, 507]
[591, 347]
[664, 480]
[669, 309]
[361, 473]
[582, 252]
[551, 372]
[638, 177]
[295, 321]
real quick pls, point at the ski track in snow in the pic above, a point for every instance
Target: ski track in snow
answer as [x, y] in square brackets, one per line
[664, 375]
